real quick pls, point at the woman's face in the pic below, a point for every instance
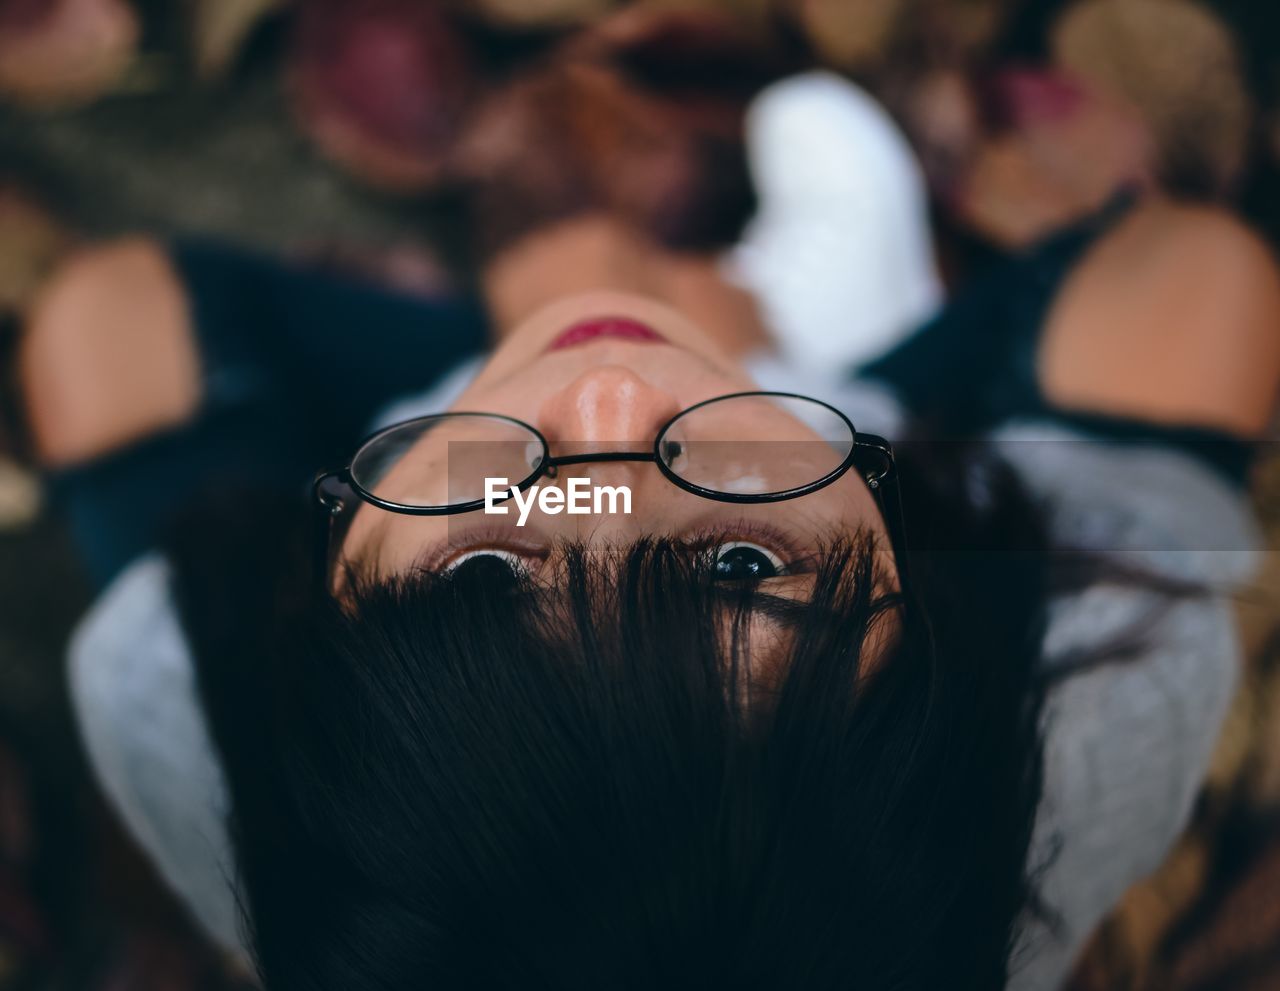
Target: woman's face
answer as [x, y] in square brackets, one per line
[589, 386]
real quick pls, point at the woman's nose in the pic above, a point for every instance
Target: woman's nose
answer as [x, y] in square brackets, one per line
[609, 405]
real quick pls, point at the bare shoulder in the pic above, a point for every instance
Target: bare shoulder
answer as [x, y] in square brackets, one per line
[1173, 316]
[1225, 283]
[107, 354]
[1218, 243]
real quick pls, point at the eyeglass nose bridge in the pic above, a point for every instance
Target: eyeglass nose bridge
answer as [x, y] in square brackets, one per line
[599, 457]
[552, 466]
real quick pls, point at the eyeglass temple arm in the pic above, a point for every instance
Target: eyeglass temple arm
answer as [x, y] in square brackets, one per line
[330, 490]
[873, 456]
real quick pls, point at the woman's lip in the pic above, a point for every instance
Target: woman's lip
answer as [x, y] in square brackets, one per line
[618, 328]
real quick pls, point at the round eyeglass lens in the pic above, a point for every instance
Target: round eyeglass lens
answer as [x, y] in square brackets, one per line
[439, 461]
[756, 444]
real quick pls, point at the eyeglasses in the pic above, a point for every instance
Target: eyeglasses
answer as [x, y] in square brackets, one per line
[744, 448]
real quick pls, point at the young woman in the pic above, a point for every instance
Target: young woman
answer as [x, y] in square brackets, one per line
[769, 729]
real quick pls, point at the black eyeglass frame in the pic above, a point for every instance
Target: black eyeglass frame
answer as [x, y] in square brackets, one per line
[870, 454]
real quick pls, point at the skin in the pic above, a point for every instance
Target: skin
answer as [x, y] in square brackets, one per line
[108, 355]
[1173, 317]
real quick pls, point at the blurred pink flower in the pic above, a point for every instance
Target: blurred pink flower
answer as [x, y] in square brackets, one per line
[381, 86]
[64, 52]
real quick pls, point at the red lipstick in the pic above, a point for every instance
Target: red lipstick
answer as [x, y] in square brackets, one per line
[597, 328]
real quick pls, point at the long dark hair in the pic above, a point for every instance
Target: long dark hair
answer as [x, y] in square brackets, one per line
[473, 780]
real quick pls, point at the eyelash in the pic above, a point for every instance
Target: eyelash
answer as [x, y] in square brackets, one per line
[484, 539]
[794, 559]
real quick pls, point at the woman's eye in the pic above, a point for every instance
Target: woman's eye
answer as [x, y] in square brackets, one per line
[742, 561]
[489, 557]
